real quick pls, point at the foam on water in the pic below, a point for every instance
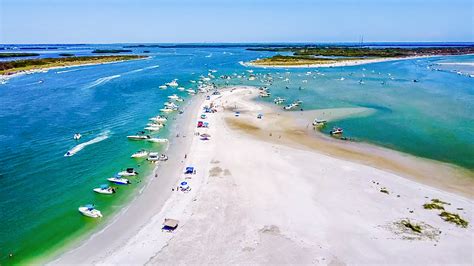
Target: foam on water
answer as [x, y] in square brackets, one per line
[101, 81]
[102, 136]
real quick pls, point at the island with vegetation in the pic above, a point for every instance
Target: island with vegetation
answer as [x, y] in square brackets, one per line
[18, 66]
[6, 55]
[66, 54]
[342, 56]
[110, 51]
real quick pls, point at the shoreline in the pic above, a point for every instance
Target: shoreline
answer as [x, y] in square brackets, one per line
[113, 227]
[230, 200]
[338, 64]
[4, 77]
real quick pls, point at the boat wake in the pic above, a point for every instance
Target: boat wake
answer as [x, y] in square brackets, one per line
[102, 81]
[66, 71]
[209, 55]
[102, 136]
[141, 69]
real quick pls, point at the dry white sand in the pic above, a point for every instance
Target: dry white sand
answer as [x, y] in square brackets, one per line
[342, 63]
[257, 202]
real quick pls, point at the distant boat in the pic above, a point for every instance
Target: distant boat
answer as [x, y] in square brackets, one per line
[128, 172]
[90, 211]
[173, 83]
[173, 97]
[77, 136]
[119, 180]
[319, 122]
[336, 131]
[163, 87]
[104, 189]
[138, 137]
[140, 154]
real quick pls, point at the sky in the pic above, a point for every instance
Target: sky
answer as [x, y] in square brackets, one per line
[211, 21]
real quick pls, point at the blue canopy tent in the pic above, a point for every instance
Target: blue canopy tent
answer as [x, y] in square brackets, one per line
[189, 170]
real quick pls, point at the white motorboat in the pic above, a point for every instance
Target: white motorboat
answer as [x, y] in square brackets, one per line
[279, 100]
[153, 157]
[105, 189]
[336, 131]
[170, 105]
[77, 136]
[319, 122]
[191, 91]
[173, 83]
[128, 172]
[158, 119]
[290, 106]
[163, 87]
[138, 137]
[179, 99]
[119, 180]
[90, 211]
[173, 97]
[140, 154]
[157, 140]
[167, 110]
[153, 128]
[155, 124]
[181, 88]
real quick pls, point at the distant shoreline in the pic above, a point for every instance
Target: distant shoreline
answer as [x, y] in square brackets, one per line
[341, 63]
[87, 61]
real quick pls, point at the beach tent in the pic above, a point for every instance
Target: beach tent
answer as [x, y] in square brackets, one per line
[170, 224]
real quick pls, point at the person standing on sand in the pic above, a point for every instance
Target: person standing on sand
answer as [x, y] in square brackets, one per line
[185, 156]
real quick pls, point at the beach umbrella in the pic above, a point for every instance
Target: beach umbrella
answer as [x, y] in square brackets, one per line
[184, 183]
[205, 135]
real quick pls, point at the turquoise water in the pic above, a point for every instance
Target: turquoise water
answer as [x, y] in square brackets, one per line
[40, 189]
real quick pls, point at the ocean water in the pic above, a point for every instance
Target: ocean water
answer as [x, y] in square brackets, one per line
[40, 189]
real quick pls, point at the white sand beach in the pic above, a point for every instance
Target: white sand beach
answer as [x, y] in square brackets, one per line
[268, 191]
[342, 63]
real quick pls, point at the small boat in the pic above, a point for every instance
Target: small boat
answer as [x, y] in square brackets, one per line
[138, 137]
[167, 110]
[157, 140]
[319, 122]
[155, 124]
[105, 189]
[153, 128]
[170, 105]
[336, 131]
[153, 157]
[77, 136]
[179, 99]
[119, 180]
[128, 172]
[140, 154]
[173, 97]
[90, 211]
[158, 119]
[264, 94]
[279, 100]
[181, 88]
[191, 91]
[290, 106]
[163, 87]
[173, 83]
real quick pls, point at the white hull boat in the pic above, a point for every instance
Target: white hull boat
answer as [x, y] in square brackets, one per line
[118, 180]
[90, 212]
[140, 154]
[138, 137]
